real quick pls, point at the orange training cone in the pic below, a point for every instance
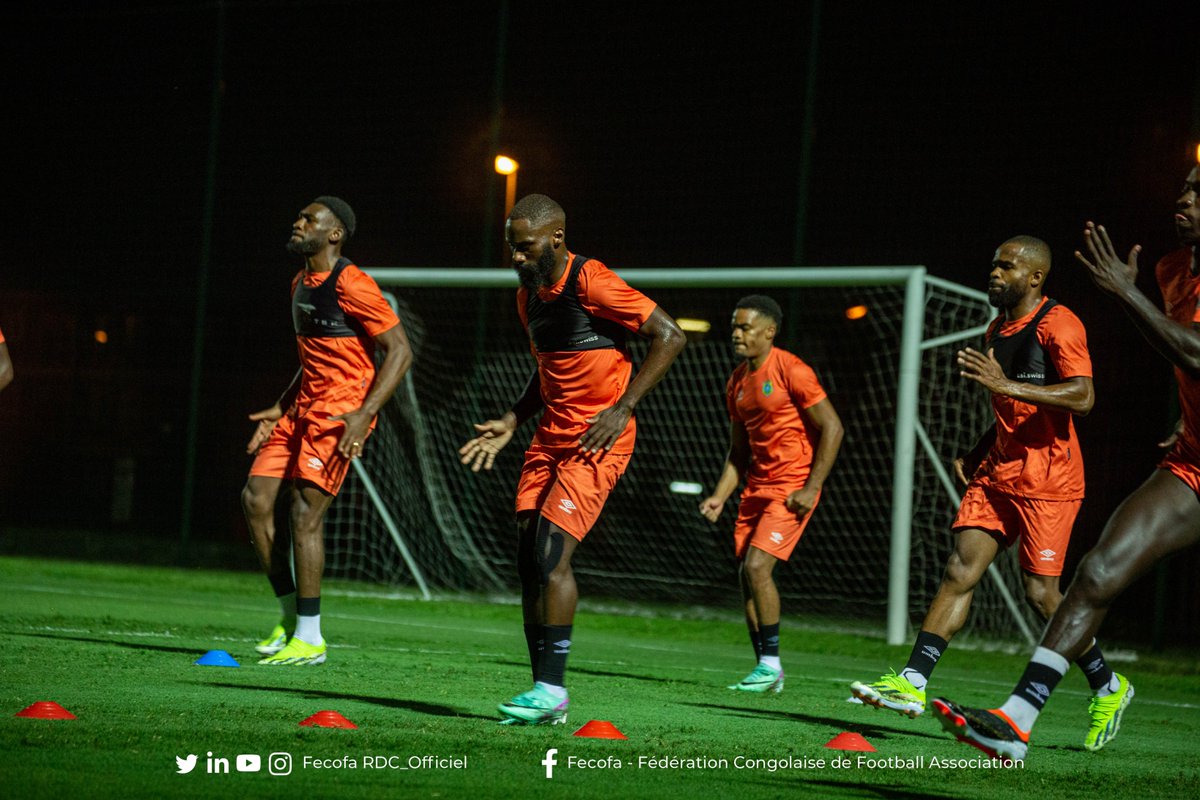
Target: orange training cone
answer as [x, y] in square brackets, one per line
[45, 709]
[328, 719]
[850, 741]
[600, 729]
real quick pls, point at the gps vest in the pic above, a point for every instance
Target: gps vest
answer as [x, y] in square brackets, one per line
[564, 325]
[1021, 355]
[316, 312]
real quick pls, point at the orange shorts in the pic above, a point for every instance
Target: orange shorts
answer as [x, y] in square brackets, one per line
[567, 486]
[304, 449]
[1043, 526]
[766, 523]
[1187, 470]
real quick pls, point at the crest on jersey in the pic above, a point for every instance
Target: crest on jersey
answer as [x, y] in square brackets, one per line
[767, 389]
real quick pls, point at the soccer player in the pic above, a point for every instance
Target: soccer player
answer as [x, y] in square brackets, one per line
[6, 368]
[784, 435]
[320, 422]
[577, 314]
[1160, 517]
[1030, 485]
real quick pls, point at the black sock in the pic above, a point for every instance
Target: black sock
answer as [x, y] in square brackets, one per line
[553, 664]
[1036, 684]
[1097, 670]
[756, 641]
[534, 641]
[282, 583]
[926, 653]
[308, 606]
[770, 640]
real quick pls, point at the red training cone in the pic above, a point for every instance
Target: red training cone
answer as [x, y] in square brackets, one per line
[850, 741]
[45, 709]
[600, 729]
[328, 719]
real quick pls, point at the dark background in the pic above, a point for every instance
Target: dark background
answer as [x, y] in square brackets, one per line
[672, 134]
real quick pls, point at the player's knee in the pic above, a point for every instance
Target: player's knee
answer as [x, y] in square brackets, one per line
[960, 575]
[257, 503]
[1042, 597]
[1096, 581]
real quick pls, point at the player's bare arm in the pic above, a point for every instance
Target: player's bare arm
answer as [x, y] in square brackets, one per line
[666, 342]
[6, 368]
[825, 419]
[1178, 343]
[966, 466]
[494, 434]
[1074, 394]
[396, 361]
[267, 418]
[736, 464]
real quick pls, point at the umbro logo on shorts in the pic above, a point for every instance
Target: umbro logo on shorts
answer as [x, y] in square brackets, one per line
[1047, 554]
[776, 537]
[566, 505]
[315, 463]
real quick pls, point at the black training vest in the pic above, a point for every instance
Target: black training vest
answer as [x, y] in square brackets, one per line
[564, 325]
[316, 312]
[1021, 355]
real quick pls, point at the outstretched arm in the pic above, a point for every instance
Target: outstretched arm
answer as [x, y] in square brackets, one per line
[6, 368]
[1179, 343]
[267, 418]
[736, 464]
[1074, 394]
[666, 342]
[396, 361]
[494, 434]
[825, 419]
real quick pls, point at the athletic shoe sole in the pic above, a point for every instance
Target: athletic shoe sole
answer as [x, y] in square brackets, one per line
[865, 694]
[955, 723]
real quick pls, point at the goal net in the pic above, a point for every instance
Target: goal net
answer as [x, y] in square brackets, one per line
[875, 549]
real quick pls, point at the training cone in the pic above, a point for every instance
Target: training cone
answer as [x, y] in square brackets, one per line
[216, 658]
[600, 729]
[45, 709]
[328, 719]
[850, 741]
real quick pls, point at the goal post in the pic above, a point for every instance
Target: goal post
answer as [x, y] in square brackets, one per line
[892, 377]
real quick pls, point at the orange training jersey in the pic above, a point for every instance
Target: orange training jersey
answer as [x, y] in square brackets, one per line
[1181, 301]
[1036, 453]
[768, 402]
[337, 372]
[577, 385]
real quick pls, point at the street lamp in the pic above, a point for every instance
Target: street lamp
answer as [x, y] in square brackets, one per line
[508, 167]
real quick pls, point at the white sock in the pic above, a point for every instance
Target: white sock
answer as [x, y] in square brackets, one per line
[915, 678]
[287, 609]
[1114, 683]
[1023, 713]
[308, 629]
[770, 661]
[557, 692]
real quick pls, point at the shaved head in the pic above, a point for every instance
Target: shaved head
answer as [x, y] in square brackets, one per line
[1034, 250]
[538, 210]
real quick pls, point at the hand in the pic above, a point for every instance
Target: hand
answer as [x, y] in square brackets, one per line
[802, 501]
[605, 428]
[960, 471]
[1108, 272]
[711, 508]
[481, 451]
[984, 370]
[1176, 432]
[358, 426]
[266, 419]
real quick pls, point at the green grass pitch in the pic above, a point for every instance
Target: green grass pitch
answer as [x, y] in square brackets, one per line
[115, 646]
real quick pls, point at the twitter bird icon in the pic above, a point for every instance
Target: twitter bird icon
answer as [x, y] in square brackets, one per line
[185, 765]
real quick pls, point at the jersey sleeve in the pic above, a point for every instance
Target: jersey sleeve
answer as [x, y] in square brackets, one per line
[803, 387]
[360, 297]
[1063, 335]
[603, 294]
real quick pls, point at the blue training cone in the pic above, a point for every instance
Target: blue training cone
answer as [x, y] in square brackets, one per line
[216, 658]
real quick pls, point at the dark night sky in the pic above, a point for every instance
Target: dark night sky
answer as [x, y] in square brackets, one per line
[670, 132]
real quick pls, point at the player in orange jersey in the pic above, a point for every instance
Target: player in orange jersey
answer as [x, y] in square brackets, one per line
[1160, 517]
[322, 421]
[784, 435]
[577, 314]
[1024, 480]
[6, 368]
